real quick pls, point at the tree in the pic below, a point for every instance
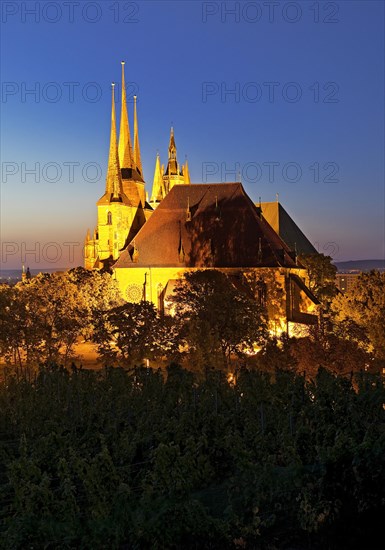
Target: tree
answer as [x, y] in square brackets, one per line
[328, 350]
[269, 293]
[98, 291]
[322, 274]
[360, 313]
[42, 319]
[216, 320]
[127, 334]
[19, 341]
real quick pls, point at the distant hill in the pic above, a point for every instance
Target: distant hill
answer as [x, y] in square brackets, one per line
[360, 265]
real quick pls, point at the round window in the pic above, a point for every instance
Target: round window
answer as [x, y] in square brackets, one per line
[134, 293]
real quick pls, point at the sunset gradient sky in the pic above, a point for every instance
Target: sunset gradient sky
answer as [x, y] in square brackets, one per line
[308, 100]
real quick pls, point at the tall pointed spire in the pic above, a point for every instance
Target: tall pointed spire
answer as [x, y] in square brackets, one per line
[137, 159]
[114, 177]
[157, 186]
[125, 147]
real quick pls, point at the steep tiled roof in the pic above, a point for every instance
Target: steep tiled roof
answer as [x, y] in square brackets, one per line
[207, 225]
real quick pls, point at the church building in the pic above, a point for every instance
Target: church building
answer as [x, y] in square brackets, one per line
[151, 244]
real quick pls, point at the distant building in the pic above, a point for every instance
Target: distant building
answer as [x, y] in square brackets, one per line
[346, 281]
[25, 275]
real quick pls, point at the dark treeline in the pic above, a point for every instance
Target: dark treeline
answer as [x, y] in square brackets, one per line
[136, 460]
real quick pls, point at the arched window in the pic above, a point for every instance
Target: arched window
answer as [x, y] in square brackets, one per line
[109, 218]
[261, 293]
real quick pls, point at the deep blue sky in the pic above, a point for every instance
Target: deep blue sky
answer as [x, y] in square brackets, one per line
[329, 53]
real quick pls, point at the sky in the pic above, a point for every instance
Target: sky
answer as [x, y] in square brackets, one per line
[285, 96]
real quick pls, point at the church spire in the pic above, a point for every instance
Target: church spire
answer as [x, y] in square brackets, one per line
[172, 146]
[125, 147]
[137, 159]
[157, 186]
[172, 166]
[114, 177]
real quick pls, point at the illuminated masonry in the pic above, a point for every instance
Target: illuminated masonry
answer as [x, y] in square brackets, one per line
[150, 244]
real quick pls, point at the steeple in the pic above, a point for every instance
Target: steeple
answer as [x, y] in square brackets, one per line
[137, 159]
[174, 174]
[172, 146]
[172, 166]
[157, 186]
[114, 176]
[125, 147]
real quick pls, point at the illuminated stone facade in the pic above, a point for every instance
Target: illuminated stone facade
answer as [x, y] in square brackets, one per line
[123, 209]
[186, 227]
[206, 226]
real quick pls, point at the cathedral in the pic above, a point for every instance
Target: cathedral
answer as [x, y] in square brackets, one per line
[151, 242]
[124, 208]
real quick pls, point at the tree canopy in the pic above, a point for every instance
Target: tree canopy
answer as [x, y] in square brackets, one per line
[215, 319]
[41, 320]
[117, 460]
[128, 334]
[322, 275]
[360, 312]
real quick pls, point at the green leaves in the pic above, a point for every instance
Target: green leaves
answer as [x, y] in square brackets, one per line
[216, 320]
[322, 274]
[360, 313]
[130, 333]
[40, 321]
[112, 459]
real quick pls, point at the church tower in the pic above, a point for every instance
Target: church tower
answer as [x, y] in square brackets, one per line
[164, 180]
[121, 210]
[114, 210]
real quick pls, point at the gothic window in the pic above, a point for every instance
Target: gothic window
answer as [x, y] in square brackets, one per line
[159, 289]
[261, 293]
[109, 218]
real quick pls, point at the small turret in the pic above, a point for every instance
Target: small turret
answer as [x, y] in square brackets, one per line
[157, 186]
[186, 173]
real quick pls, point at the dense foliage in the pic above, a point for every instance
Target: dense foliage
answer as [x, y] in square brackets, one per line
[41, 321]
[360, 313]
[131, 460]
[216, 321]
[275, 450]
[128, 334]
[322, 275]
